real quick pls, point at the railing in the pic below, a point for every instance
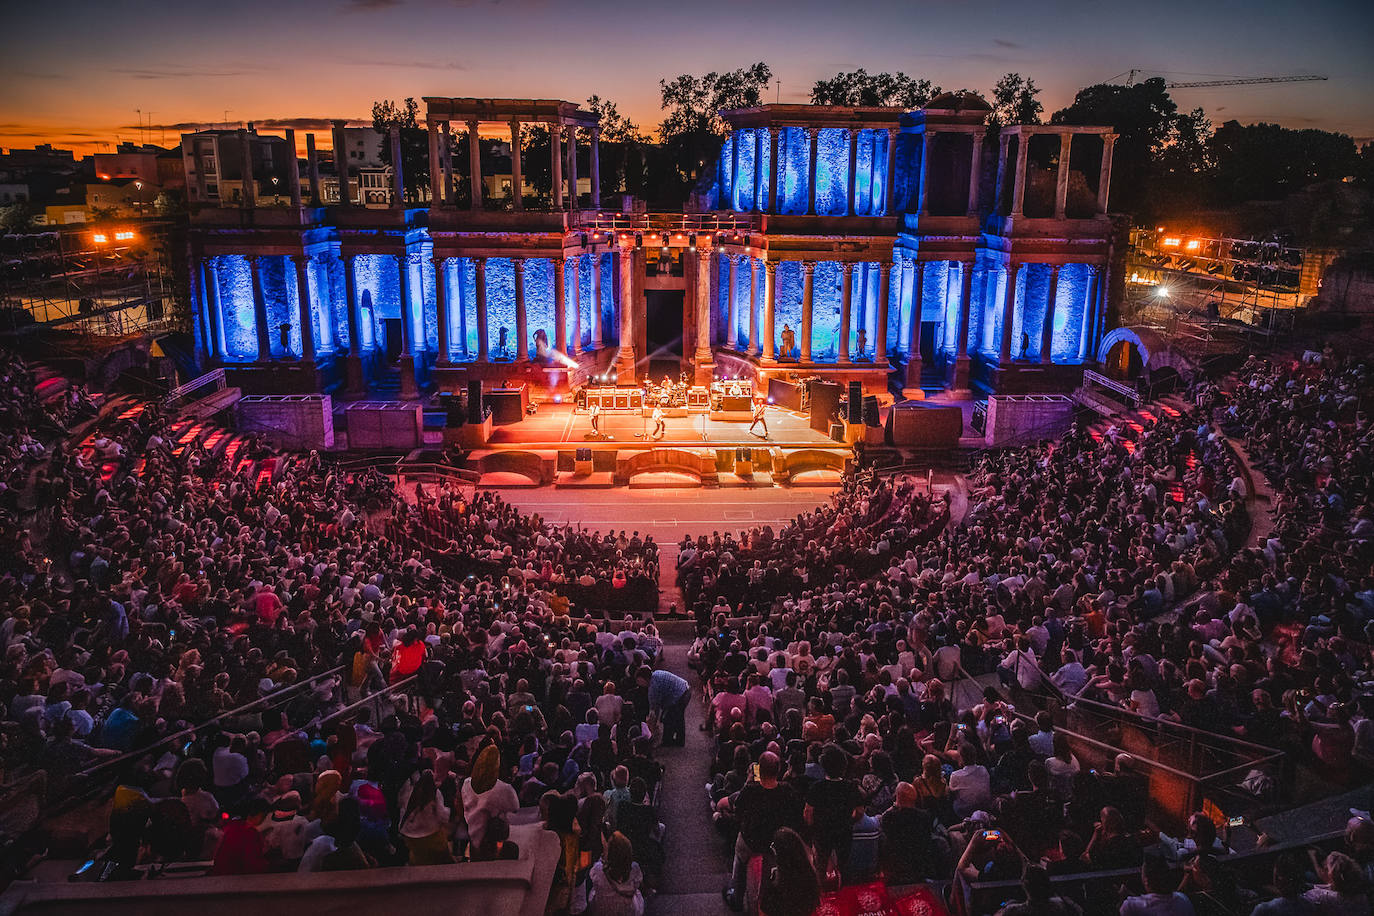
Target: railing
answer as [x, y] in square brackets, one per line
[214, 380]
[667, 222]
[1128, 392]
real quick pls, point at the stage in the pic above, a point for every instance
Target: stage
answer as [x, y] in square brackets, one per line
[558, 425]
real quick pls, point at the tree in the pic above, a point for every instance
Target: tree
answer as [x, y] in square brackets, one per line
[692, 130]
[615, 127]
[1269, 162]
[17, 217]
[387, 114]
[1145, 120]
[1014, 101]
[860, 88]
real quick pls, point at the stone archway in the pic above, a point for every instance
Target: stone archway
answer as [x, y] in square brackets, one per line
[1139, 350]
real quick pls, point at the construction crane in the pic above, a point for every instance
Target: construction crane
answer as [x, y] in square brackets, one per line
[1236, 81]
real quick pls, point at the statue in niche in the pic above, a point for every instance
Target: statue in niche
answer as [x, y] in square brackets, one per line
[1025, 345]
[860, 342]
[789, 340]
[501, 336]
[541, 343]
[284, 336]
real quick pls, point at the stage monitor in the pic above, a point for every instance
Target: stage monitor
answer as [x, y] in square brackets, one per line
[871, 411]
[825, 402]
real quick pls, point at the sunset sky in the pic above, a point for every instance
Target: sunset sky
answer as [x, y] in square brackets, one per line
[74, 73]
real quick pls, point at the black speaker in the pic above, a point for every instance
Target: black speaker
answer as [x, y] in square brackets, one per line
[856, 402]
[744, 453]
[871, 410]
[452, 406]
[582, 453]
[475, 407]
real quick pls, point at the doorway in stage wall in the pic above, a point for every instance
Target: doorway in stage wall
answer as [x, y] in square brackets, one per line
[663, 332]
[393, 340]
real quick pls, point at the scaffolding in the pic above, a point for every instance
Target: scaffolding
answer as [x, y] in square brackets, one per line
[98, 282]
[1207, 292]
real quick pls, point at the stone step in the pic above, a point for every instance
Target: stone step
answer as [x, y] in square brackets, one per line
[701, 904]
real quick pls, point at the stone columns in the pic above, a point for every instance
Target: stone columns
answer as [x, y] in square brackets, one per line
[1047, 329]
[560, 306]
[304, 312]
[773, 133]
[758, 171]
[852, 197]
[1000, 184]
[446, 154]
[572, 167]
[913, 336]
[215, 306]
[1086, 344]
[436, 173]
[353, 364]
[1104, 177]
[341, 162]
[596, 169]
[890, 180]
[846, 289]
[732, 304]
[961, 359]
[205, 344]
[1008, 314]
[312, 159]
[770, 304]
[522, 325]
[480, 294]
[808, 279]
[1018, 189]
[409, 391]
[1061, 187]
[293, 169]
[975, 173]
[596, 301]
[814, 136]
[753, 308]
[398, 183]
[441, 307]
[556, 162]
[259, 311]
[734, 169]
[702, 358]
[250, 184]
[517, 181]
[474, 170]
[927, 144]
[626, 363]
[880, 332]
[571, 265]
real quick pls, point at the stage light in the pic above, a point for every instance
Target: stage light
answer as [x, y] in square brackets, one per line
[1170, 242]
[1162, 291]
[124, 236]
[558, 399]
[100, 238]
[1193, 245]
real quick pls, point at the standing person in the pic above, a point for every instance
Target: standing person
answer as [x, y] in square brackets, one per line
[831, 807]
[659, 427]
[792, 887]
[759, 418]
[668, 699]
[595, 413]
[423, 824]
[762, 808]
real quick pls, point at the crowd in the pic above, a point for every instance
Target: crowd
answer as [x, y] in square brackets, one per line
[1109, 567]
[199, 632]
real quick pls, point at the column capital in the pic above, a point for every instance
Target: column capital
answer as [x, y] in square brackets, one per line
[847, 267]
[771, 267]
[885, 265]
[480, 263]
[301, 258]
[252, 258]
[559, 259]
[808, 267]
[1109, 139]
[473, 124]
[438, 259]
[519, 263]
[346, 256]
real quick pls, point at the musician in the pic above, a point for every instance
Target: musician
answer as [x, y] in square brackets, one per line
[759, 405]
[660, 428]
[596, 418]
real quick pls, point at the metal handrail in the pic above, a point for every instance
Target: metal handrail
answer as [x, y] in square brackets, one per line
[188, 732]
[1097, 378]
[214, 377]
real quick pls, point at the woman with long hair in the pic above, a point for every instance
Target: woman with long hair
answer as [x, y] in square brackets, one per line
[792, 887]
[615, 881]
[423, 824]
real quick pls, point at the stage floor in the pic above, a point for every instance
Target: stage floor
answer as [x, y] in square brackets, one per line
[558, 425]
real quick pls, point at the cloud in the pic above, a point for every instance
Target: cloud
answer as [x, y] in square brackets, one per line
[363, 6]
[1004, 43]
[176, 73]
[450, 65]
